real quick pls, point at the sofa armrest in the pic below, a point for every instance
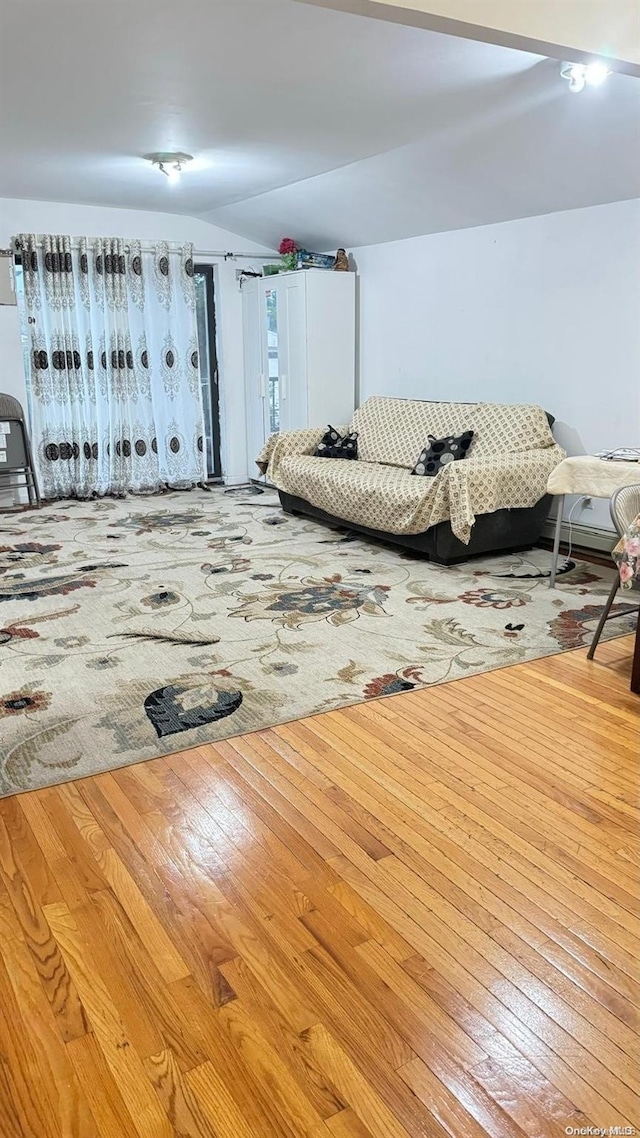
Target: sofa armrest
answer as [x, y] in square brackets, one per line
[303, 441]
[485, 483]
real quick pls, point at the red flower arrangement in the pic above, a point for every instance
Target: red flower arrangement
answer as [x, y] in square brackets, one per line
[287, 245]
[288, 250]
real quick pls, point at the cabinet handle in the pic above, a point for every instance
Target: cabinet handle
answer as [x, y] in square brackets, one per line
[263, 388]
[283, 386]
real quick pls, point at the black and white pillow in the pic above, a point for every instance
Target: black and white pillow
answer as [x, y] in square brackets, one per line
[335, 445]
[439, 452]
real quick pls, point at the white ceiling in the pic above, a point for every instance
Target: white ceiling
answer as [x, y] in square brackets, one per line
[331, 127]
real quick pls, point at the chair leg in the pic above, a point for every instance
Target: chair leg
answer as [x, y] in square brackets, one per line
[556, 543]
[34, 484]
[32, 469]
[605, 612]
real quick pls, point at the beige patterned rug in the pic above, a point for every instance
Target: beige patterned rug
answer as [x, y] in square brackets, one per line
[133, 628]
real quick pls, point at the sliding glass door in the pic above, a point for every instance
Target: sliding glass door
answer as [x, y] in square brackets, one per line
[208, 360]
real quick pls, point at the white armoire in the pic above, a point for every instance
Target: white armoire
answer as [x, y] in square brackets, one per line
[299, 333]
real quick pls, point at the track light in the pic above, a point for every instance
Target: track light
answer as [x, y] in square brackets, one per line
[170, 163]
[581, 75]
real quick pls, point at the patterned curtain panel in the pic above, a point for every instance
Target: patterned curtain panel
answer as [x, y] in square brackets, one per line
[114, 390]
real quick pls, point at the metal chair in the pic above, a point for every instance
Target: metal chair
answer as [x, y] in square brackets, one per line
[15, 453]
[624, 506]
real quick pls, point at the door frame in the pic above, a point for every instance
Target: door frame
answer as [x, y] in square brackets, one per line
[207, 271]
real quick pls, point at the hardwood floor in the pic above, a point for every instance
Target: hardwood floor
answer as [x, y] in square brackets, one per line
[413, 917]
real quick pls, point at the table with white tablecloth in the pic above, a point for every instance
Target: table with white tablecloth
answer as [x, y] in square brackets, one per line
[593, 477]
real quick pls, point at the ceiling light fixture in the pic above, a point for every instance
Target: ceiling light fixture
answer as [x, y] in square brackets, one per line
[581, 75]
[170, 163]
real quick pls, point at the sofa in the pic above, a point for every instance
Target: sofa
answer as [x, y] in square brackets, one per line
[492, 501]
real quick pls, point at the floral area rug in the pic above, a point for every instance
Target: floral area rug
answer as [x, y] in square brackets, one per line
[133, 628]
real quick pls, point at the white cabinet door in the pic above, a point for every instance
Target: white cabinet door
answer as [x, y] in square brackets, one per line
[331, 344]
[293, 351]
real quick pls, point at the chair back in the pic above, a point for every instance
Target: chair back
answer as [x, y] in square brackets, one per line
[10, 408]
[625, 507]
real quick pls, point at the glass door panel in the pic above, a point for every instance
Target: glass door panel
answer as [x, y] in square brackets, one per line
[208, 364]
[273, 364]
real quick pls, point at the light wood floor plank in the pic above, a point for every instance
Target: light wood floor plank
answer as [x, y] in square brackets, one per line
[483, 848]
[528, 845]
[446, 875]
[415, 917]
[484, 973]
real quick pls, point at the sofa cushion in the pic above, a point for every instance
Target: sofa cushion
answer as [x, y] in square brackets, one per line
[386, 499]
[389, 499]
[439, 452]
[334, 445]
[393, 431]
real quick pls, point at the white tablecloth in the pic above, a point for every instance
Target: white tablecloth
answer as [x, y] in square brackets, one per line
[597, 477]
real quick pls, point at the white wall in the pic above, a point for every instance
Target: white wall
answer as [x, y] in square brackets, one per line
[542, 310]
[95, 221]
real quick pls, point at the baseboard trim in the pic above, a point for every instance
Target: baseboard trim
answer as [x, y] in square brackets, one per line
[587, 537]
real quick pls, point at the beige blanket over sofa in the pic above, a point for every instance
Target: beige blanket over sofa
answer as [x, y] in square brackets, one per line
[512, 455]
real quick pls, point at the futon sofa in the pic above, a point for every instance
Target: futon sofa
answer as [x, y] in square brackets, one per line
[493, 500]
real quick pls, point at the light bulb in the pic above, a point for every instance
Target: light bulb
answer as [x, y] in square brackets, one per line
[577, 78]
[170, 163]
[596, 73]
[578, 75]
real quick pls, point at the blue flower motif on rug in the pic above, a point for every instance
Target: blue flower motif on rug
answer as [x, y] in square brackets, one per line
[311, 599]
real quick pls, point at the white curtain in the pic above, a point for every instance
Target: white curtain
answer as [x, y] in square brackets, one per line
[114, 390]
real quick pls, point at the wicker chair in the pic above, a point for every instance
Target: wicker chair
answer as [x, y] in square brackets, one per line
[625, 507]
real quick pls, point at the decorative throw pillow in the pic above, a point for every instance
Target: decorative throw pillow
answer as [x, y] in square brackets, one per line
[335, 445]
[440, 452]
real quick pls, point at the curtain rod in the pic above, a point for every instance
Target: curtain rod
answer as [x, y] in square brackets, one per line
[234, 256]
[148, 246]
